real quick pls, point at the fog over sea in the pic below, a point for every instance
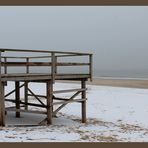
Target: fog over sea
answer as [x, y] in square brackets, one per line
[138, 74]
[116, 35]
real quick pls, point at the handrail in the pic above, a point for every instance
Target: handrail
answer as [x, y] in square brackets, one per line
[53, 63]
[11, 64]
[41, 51]
[36, 57]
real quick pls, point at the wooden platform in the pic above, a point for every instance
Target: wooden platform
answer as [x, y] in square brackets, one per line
[41, 76]
[53, 63]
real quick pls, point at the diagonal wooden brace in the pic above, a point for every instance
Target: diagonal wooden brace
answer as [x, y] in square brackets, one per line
[36, 97]
[71, 98]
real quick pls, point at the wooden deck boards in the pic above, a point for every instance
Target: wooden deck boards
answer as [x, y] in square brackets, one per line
[52, 60]
[41, 76]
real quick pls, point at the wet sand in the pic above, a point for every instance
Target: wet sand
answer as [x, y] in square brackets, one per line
[117, 82]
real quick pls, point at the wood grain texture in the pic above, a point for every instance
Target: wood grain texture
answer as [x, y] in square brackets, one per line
[47, 78]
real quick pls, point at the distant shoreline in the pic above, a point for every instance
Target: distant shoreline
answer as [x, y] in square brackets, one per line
[121, 78]
[117, 82]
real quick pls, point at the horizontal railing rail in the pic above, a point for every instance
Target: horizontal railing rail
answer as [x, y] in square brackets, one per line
[42, 51]
[42, 64]
[52, 58]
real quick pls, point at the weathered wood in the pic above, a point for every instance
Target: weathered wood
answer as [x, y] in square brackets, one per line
[27, 111]
[13, 57]
[49, 88]
[17, 98]
[38, 57]
[56, 64]
[71, 55]
[2, 105]
[5, 66]
[48, 78]
[71, 98]
[69, 101]
[90, 66]
[30, 104]
[13, 91]
[26, 85]
[57, 98]
[68, 90]
[13, 107]
[27, 65]
[75, 75]
[41, 96]
[33, 104]
[40, 51]
[72, 64]
[26, 95]
[53, 67]
[36, 97]
[83, 86]
[19, 64]
[31, 77]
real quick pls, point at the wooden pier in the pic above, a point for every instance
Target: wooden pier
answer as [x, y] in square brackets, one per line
[49, 60]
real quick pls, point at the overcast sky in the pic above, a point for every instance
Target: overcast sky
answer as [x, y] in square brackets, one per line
[117, 35]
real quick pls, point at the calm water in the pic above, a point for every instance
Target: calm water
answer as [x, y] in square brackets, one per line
[96, 73]
[124, 74]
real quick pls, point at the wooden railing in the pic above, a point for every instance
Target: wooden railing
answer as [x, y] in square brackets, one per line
[53, 55]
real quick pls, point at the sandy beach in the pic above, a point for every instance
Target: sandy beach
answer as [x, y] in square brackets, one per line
[117, 82]
[114, 114]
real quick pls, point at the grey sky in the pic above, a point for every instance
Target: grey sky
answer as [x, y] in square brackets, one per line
[117, 35]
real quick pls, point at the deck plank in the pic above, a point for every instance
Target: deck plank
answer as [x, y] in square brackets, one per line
[41, 76]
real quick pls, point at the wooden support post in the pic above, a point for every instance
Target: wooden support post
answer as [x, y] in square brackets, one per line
[83, 85]
[17, 98]
[49, 101]
[90, 66]
[56, 61]
[53, 67]
[13, 91]
[5, 66]
[2, 102]
[26, 95]
[27, 65]
[2, 105]
[26, 85]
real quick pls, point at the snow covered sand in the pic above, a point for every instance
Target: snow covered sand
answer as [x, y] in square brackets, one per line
[113, 113]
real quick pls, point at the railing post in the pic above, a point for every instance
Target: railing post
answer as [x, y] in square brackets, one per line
[53, 67]
[83, 86]
[56, 61]
[49, 87]
[17, 98]
[27, 66]
[90, 66]
[5, 66]
[26, 85]
[0, 65]
[2, 104]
